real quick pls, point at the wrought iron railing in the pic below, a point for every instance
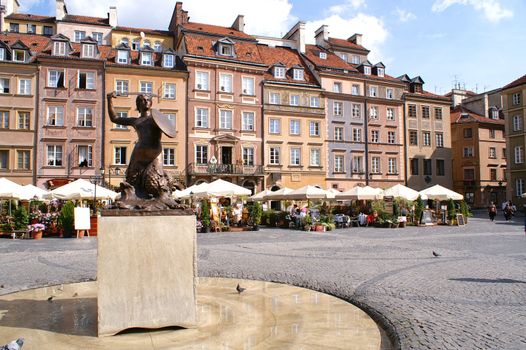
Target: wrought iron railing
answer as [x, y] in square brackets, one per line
[225, 169]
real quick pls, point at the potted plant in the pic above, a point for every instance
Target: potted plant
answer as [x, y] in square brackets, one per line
[450, 211]
[205, 216]
[464, 208]
[67, 219]
[256, 213]
[419, 209]
[36, 230]
[307, 222]
[21, 218]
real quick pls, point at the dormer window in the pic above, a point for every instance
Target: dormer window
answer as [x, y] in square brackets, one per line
[158, 47]
[147, 43]
[225, 50]
[125, 41]
[59, 48]
[146, 59]
[122, 57]
[297, 74]
[19, 55]
[168, 61]
[355, 59]
[2, 54]
[136, 44]
[381, 72]
[88, 50]
[367, 70]
[323, 55]
[279, 72]
[494, 113]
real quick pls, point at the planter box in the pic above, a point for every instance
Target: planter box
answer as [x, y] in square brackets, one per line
[320, 228]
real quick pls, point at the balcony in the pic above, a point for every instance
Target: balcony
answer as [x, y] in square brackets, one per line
[225, 169]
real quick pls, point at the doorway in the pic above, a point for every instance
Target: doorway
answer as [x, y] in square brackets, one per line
[226, 155]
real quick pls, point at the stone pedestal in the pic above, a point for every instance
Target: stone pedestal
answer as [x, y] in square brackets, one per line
[146, 271]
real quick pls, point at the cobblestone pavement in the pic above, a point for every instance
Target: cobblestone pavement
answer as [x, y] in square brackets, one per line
[471, 297]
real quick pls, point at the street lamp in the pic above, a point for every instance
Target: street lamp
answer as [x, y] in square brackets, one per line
[102, 171]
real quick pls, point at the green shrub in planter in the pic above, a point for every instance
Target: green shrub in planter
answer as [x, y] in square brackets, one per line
[67, 218]
[205, 213]
[256, 213]
[451, 210]
[21, 218]
[419, 209]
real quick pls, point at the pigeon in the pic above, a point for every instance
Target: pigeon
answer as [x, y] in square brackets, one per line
[240, 289]
[435, 254]
[50, 298]
[14, 345]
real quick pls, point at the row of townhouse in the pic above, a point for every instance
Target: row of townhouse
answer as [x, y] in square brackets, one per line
[261, 112]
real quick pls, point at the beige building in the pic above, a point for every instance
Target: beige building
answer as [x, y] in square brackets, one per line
[514, 107]
[428, 136]
[135, 38]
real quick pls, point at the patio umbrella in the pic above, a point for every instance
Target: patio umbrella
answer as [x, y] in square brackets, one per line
[10, 190]
[309, 192]
[441, 193]
[32, 192]
[401, 191]
[361, 193]
[260, 197]
[81, 190]
[278, 195]
[221, 188]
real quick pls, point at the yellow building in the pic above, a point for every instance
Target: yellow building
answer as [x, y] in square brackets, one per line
[29, 24]
[135, 38]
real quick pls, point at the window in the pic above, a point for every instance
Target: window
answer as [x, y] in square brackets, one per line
[468, 152]
[314, 128]
[2, 54]
[355, 89]
[413, 137]
[493, 174]
[4, 85]
[517, 123]
[375, 136]
[391, 137]
[119, 156]
[4, 120]
[84, 117]
[356, 110]
[492, 153]
[295, 156]
[146, 43]
[31, 29]
[357, 135]
[414, 166]
[146, 59]
[492, 133]
[168, 61]
[380, 72]
[23, 120]
[226, 50]
[158, 47]
[55, 115]
[323, 55]
[338, 108]
[425, 112]
[201, 118]
[494, 113]
[79, 35]
[146, 87]
[122, 87]
[375, 165]
[55, 79]
[439, 139]
[248, 156]
[337, 87]
[169, 156]
[120, 126]
[248, 121]
[122, 56]
[97, 36]
[169, 91]
[19, 55]
[339, 166]
[4, 159]
[54, 155]
[519, 155]
[357, 164]
[279, 72]
[519, 187]
[85, 156]
[274, 98]
[412, 111]
[201, 154]
[426, 138]
[390, 114]
[440, 167]
[201, 81]
[338, 133]
[438, 113]
[14, 27]
[86, 80]
[315, 101]
[392, 166]
[516, 99]
[294, 127]
[59, 48]
[367, 70]
[23, 160]
[48, 31]
[373, 113]
[315, 157]
[294, 100]
[504, 153]
[428, 170]
[136, 44]
[225, 119]
[355, 59]
[248, 84]
[298, 74]
[389, 93]
[342, 55]
[274, 126]
[88, 50]
[274, 158]
[373, 91]
[225, 82]
[468, 133]
[469, 174]
[24, 86]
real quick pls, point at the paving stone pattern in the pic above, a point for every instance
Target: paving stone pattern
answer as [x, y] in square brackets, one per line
[471, 297]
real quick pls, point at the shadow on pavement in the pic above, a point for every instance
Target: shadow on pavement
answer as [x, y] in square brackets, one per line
[487, 280]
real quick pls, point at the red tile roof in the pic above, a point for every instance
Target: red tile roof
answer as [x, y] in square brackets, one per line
[312, 52]
[36, 43]
[289, 57]
[428, 94]
[346, 43]
[457, 112]
[30, 17]
[520, 81]
[216, 30]
[87, 20]
[144, 30]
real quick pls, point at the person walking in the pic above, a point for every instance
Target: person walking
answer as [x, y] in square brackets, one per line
[492, 211]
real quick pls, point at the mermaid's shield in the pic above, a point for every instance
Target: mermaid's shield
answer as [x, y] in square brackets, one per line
[164, 123]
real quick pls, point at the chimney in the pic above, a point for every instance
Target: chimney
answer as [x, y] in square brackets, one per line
[2, 18]
[356, 39]
[297, 33]
[179, 17]
[239, 23]
[322, 36]
[60, 10]
[112, 16]
[9, 6]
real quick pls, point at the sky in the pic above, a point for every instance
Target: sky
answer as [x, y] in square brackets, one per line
[475, 43]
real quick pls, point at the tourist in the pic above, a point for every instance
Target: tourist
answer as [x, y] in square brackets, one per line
[492, 211]
[508, 211]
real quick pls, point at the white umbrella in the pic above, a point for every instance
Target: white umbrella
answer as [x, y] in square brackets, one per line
[10, 190]
[221, 188]
[259, 197]
[333, 191]
[361, 193]
[309, 192]
[401, 191]
[79, 190]
[189, 191]
[32, 192]
[278, 195]
[441, 193]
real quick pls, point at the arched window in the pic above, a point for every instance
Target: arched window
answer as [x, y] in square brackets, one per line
[125, 41]
[158, 47]
[147, 43]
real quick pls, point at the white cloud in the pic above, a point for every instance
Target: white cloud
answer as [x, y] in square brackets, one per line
[492, 9]
[346, 6]
[404, 15]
